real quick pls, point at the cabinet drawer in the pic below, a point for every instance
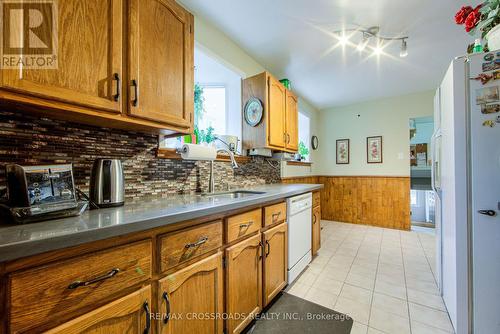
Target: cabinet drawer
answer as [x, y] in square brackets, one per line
[186, 244]
[52, 293]
[274, 214]
[243, 224]
[125, 315]
[316, 199]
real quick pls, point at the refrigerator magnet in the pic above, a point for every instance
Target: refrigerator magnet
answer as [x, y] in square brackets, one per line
[484, 78]
[490, 108]
[498, 119]
[487, 95]
[489, 123]
[488, 57]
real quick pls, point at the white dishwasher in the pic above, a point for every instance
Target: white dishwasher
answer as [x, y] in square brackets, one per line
[299, 212]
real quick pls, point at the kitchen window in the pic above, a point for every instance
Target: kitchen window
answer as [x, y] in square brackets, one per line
[304, 136]
[217, 102]
[210, 111]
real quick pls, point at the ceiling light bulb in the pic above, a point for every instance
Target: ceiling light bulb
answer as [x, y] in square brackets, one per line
[377, 50]
[343, 39]
[404, 49]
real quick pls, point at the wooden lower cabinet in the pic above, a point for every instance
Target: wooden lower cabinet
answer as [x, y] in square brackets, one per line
[193, 298]
[243, 283]
[275, 261]
[316, 229]
[130, 314]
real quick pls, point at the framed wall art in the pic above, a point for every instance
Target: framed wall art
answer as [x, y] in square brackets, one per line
[343, 151]
[374, 150]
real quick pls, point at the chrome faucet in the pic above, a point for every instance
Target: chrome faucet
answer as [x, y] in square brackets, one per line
[211, 181]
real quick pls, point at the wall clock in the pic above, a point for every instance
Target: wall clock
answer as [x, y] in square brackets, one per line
[253, 111]
[314, 142]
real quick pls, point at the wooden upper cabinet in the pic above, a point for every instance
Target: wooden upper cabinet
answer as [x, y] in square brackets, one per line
[243, 282]
[275, 261]
[292, 122]
[161, 72]
[276, 119]
[195, 290]
[130, 314]
[278, 129]
[89, 58]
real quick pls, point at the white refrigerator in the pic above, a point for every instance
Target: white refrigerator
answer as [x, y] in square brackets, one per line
[466, 180]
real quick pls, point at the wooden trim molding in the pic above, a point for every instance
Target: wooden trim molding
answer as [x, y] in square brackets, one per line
[382, 201]
[170, 153]
[299, 163]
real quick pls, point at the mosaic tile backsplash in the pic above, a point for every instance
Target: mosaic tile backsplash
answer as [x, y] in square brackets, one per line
[31, 140]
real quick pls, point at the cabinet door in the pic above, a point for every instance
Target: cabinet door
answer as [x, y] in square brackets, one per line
[130, 314]
[243, 282]
[161, 56]
[89, 54]
[276, 110]
[316, 230]
[292, 122]
[195, 295]
[275, 261]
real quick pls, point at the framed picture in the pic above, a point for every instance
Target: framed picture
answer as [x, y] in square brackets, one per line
[374, 150]
[343, 151]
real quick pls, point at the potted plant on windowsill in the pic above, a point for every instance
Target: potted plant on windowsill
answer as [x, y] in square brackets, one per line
[482, 21]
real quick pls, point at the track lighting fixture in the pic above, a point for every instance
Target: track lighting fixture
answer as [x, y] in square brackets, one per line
[369, 34]
[404, 49]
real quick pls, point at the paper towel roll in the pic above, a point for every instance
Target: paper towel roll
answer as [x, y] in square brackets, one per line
[198, 152]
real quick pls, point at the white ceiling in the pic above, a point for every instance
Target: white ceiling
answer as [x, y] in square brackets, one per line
[292, 38]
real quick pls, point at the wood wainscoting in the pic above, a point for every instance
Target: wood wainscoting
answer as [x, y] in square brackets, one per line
[382, 201]
[301, 179]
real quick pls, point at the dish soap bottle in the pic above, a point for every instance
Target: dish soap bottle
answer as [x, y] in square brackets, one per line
[478, 48]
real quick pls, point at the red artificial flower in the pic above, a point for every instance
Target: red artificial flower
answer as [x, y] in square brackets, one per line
[462, 14]
[472, 19]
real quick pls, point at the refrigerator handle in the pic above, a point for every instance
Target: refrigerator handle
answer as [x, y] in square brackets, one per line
[433, 157]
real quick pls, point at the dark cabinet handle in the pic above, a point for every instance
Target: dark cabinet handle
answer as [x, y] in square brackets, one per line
[261, 246]
[490, 213]
[148, 317]
[268, 248]
[116, 77]
[246, 225]
[77, 284]
[314, 219]
[288, 138]
[197, 243]
[167, 308]
[136, 93]
[276, 216]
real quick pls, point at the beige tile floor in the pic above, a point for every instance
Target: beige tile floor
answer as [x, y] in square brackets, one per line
[384, 279]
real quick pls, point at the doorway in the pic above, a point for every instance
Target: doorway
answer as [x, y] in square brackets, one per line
[421, 195]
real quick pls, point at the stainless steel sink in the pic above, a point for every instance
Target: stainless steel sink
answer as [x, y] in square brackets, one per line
[234, 194]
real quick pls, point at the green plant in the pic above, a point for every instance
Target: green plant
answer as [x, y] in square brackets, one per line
[202, 135]
[490, 16]
[198, 103]
[303, 150]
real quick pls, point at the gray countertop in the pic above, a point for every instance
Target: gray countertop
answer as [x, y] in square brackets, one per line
[18, 241]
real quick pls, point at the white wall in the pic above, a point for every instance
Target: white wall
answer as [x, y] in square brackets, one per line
[387, 117]
[217, 45]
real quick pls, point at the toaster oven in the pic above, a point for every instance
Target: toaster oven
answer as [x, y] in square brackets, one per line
[39, 190]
